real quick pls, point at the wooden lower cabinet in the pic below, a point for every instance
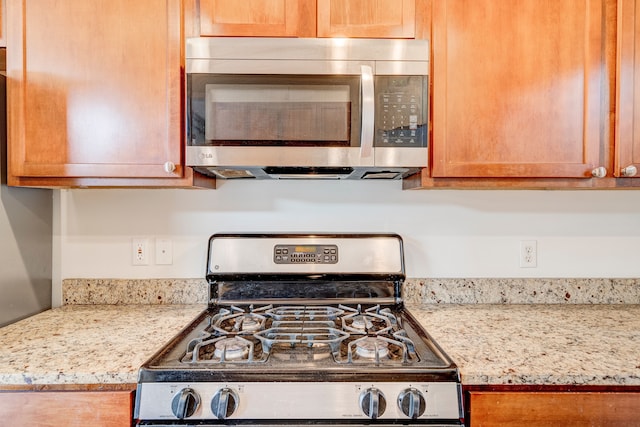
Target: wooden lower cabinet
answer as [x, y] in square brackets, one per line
[66, 408]
[566, 409]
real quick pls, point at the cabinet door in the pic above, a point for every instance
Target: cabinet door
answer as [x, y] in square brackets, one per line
[94, 88]
[259, 18]
[566, 409]
[627, 146]
[517, 88]
[67, 408]
[366, 18]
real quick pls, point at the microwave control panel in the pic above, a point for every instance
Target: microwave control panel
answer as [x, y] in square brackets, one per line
[401, 111]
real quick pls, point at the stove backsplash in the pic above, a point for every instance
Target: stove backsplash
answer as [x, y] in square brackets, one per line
[414, 291]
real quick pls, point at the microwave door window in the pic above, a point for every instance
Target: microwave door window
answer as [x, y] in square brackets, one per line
[278, 114]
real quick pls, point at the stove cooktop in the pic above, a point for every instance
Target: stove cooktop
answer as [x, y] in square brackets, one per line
[301, 343]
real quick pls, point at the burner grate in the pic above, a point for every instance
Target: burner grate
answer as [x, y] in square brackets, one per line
[303, 334]
[346, 334]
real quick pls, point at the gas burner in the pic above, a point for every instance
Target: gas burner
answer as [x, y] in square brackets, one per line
[250, 322]
[371, 321]
[237, 320]
[223, 349]
[231, 348]
[372, 348]
[361, 323]
[390, 349]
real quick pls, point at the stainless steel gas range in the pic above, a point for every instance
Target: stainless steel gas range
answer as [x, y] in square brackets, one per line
[302, 329]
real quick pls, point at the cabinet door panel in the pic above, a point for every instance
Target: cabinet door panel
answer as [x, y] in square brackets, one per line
[517, 88]
[566, 409]
[366, 18]
[67, 408]
[627, 147]
[94, 88]
[259, 18]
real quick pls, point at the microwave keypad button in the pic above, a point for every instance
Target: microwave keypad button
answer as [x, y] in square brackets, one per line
[413, 122]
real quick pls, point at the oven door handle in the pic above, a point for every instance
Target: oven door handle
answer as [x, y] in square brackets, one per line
[368, 111]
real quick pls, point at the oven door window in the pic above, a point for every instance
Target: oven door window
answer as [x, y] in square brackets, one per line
[274, 110]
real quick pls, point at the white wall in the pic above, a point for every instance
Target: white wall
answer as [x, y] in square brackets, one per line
[447, 233]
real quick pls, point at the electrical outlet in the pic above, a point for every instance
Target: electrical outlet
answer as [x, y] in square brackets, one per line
[139, 251]
[528, 253]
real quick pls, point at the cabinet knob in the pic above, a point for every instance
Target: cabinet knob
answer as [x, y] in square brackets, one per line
[169, 167]
[599, 172]
[629, 171]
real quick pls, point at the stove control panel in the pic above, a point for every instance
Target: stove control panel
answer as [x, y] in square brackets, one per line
[305, 254]
[398, 401]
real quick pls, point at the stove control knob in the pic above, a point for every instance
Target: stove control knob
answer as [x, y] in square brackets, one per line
[185, 403]
[224, 403]
[373, 403]
[412, 403]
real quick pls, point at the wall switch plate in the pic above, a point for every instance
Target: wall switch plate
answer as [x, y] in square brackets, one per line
[139, 251]
[164, 251]
[528, 253]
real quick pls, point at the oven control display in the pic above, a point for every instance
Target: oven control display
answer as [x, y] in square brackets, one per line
[305, 254]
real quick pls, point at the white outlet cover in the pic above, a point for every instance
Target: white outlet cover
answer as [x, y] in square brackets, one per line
[164, 251]
[139, 251]
[528, 254]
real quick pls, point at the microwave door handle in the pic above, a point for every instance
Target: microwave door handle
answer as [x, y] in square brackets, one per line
[368, 111]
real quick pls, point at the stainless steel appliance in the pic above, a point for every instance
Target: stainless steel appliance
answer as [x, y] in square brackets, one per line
[304, 108]
[302, 329]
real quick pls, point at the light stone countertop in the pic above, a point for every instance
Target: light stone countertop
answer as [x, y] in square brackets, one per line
[82, 344]
[554, 344]
[533, 344]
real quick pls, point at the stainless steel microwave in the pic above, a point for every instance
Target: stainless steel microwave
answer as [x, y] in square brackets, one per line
[307, 108]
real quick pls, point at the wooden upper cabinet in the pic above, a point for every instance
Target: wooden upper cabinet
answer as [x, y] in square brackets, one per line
[517, 88]
[258, 18]
[627, 146]
[94, 90]
[315, 18]
[366, 18]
